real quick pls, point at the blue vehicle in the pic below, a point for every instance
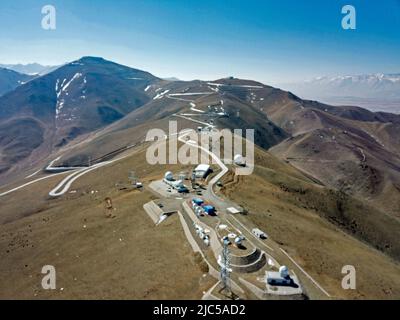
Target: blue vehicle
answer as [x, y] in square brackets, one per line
[210, 210]
[182, 189]
[198, 201]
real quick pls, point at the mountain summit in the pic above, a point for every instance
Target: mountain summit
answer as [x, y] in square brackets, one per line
[75, 99]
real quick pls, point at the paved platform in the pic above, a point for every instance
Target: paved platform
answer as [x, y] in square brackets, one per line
[161, 188]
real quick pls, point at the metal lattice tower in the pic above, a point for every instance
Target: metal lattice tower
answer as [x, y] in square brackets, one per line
[193, 179]
[225, 268]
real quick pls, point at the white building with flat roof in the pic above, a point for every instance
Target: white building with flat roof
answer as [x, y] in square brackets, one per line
[202, 171]
[233, 210]
[282, 283]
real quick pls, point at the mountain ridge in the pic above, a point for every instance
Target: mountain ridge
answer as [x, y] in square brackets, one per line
[9, 80]
[75, 99]
[110, 102]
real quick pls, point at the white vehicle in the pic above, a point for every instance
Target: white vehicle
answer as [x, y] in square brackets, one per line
[259, 234]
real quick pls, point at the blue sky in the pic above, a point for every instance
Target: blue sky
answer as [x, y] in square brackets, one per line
[270, 41]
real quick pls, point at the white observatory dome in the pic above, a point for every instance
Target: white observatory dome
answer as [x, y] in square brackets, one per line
[238, 160]
[284, 271]
[169, 176]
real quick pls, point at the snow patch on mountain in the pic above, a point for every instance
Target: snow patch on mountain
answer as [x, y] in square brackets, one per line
[62, 92]
[160, 95]
[76, 76]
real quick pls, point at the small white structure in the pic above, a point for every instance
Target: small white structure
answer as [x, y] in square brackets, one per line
[281, 278]
[169, 176]
[202, 171]
[177, 185]
[226, 240]
[203, 234]
[198, 229]
[199, 211]
[238, 241]
[239, 160]
[259, 234]
[232, 210]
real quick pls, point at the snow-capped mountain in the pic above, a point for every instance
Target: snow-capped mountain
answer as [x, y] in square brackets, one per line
[77, 98]
[377, 92]
[30, 68]
[362, 86]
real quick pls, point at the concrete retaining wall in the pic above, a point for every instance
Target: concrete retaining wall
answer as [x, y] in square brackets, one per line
[211, 270]
[250, 258]
[252, 267]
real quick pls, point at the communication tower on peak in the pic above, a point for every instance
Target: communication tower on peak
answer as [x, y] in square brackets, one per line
[225, 269]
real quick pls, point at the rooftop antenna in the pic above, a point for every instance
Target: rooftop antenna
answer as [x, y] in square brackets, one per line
[225, 269]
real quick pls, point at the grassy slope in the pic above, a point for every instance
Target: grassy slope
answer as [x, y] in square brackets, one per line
[332, 138]
[125, 257]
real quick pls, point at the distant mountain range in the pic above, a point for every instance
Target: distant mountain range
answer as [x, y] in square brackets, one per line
[373, 91]
[30, 69]
[171, 79]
